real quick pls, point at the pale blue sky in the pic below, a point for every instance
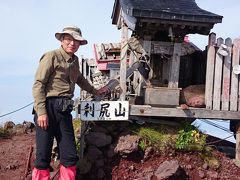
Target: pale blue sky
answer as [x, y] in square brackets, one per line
[28, 27]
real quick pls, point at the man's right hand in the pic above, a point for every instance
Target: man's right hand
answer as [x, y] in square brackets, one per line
[103, 91]
[43, 121]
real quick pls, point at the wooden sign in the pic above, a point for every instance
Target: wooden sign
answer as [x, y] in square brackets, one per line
[104, 110]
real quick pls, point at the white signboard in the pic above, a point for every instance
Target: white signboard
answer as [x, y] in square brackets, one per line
[104, 110]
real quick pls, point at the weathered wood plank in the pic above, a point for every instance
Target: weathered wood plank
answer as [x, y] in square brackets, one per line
[123, 63]
[165, 71]
[235, 92]
[238, 77]
[210, 71]
[217, 78]
[167, 48]
[200, 113]
[162, 96]
[234, 81]
[175, 66]
[226, 76]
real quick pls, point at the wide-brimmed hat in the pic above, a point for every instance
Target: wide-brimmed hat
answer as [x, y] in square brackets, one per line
[73, 31]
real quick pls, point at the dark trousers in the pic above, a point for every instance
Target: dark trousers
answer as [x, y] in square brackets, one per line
[59, 126]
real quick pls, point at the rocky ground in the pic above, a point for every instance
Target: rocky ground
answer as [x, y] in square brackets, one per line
[195, 168]
[14, 156]
[17, 153]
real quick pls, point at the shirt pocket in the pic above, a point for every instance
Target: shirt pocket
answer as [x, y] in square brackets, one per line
[73, 73]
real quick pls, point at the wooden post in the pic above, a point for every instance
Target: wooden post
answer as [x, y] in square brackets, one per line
[82, 142]
[175, 66]
[76, 105]
[136, 76]
[81, 70]
[84, 73]
[147, 45]
[82, 96]
[84, 68]
[89, 70]
[238, 141]
[123, 63]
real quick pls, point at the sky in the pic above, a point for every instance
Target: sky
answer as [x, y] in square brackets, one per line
[28, 28]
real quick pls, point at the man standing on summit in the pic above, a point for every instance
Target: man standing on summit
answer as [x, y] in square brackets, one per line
[53, 88]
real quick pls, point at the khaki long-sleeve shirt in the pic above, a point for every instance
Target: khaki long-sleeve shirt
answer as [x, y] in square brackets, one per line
[56, 76]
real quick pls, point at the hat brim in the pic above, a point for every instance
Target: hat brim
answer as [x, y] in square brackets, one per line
[74, 35]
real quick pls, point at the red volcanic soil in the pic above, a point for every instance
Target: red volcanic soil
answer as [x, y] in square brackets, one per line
[17, 152]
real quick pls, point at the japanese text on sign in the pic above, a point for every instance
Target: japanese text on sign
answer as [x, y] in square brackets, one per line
[104, 110]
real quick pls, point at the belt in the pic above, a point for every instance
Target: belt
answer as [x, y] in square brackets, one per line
[58, 97]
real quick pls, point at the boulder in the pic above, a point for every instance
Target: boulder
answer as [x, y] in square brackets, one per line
[170, 170]
[193, 96]
[28, 126]
[8, 125]
[127, 144]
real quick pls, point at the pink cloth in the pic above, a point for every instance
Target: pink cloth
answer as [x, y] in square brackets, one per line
[67, 173]
[38, 174]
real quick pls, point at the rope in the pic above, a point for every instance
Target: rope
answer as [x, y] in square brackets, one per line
[216, 125]
[16, 110]
[210, 143]
[219, 127]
